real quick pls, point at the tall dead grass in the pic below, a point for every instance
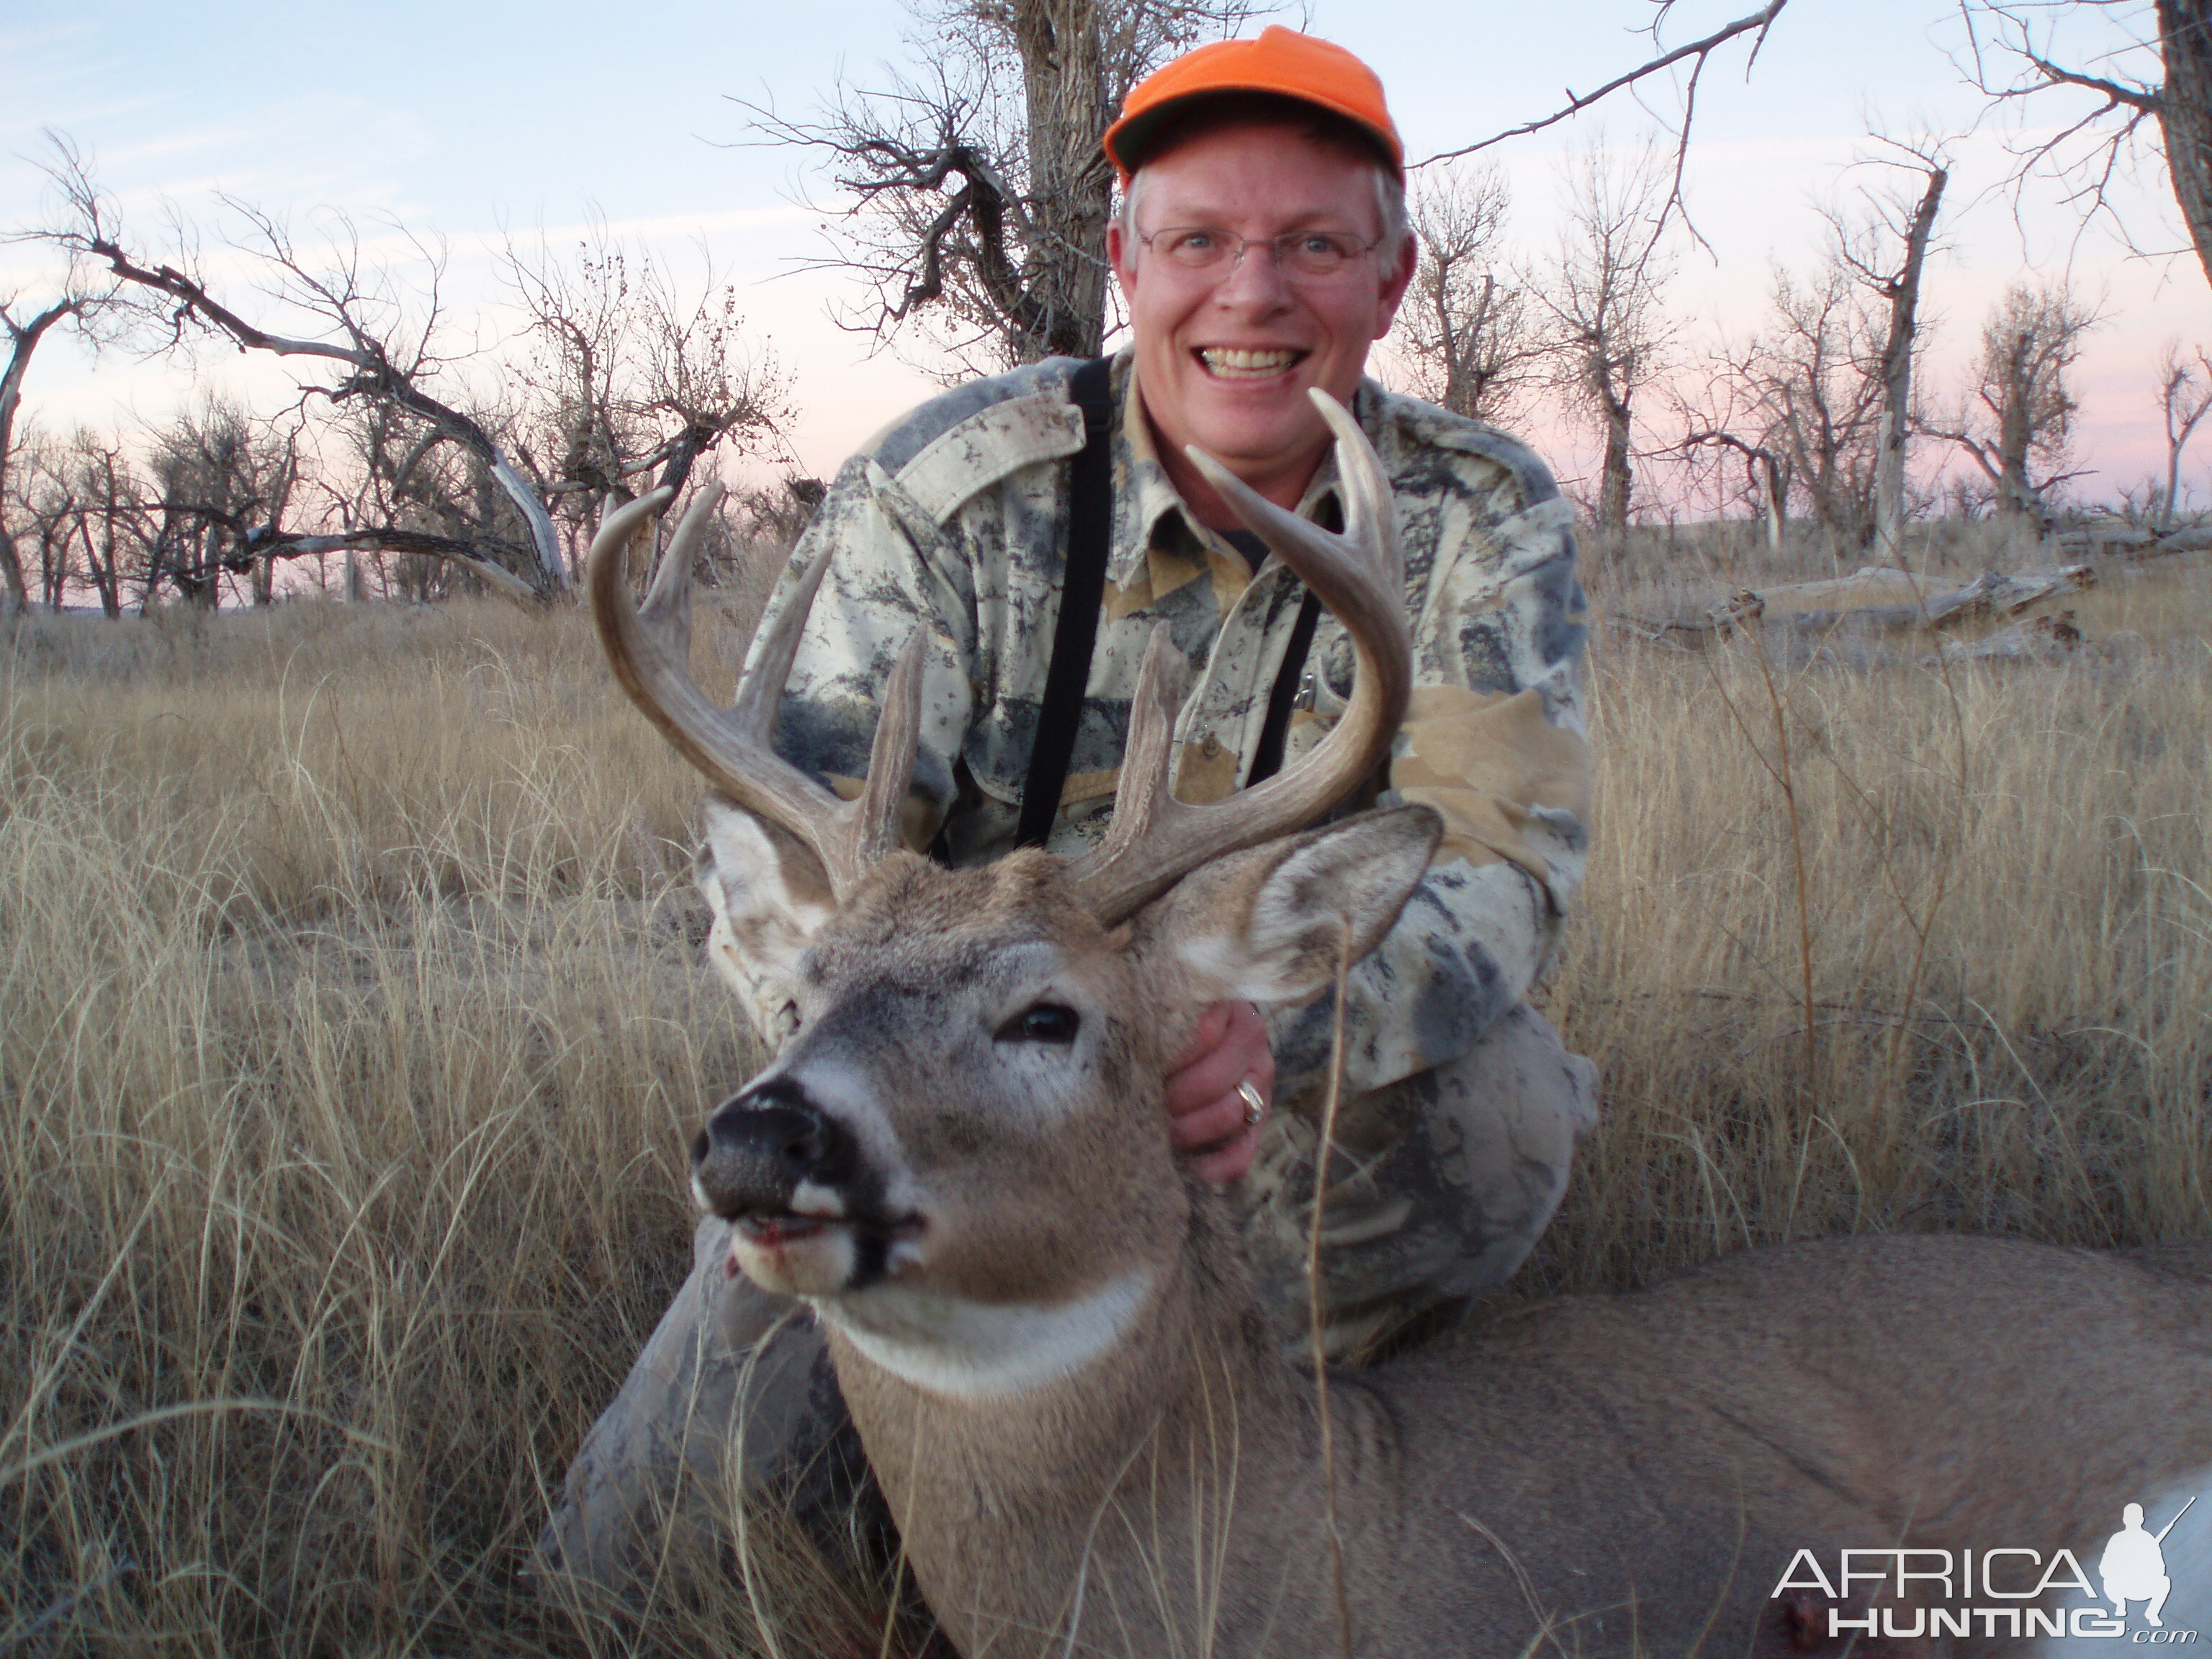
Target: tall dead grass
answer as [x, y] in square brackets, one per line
[354, 1029]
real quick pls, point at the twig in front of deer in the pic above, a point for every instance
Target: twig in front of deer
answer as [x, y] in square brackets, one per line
[748, 1574]
[1545, 1634]
[1316, 1294]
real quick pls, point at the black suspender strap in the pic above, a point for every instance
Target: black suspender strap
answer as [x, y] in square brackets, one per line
[1082, 591]
[1267, 758]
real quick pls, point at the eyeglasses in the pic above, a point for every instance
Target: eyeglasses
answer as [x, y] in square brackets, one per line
[1304, 256]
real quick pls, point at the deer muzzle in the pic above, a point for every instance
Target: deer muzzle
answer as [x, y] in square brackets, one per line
[770, 1155]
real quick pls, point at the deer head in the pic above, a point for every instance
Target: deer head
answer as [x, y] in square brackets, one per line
[960, 1150]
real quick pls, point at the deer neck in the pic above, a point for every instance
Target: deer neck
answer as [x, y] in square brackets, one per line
[1002, 1493]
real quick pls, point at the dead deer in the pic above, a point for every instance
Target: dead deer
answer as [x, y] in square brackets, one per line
[1047, 1340]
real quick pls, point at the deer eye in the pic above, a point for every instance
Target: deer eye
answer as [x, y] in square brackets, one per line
[1040, 1022]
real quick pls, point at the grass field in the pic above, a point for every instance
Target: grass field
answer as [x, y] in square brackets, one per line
[352, 1030]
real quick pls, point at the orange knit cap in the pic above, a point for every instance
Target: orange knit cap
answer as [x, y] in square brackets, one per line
[1282, 62]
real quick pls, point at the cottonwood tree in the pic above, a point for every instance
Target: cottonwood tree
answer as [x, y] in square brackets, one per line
[657, 387]
[629, 379]
[1599, 296]
[978, 194]
[1797, 406]
[374, 340]
[2185, 398]
[1467, 334]
[222, 483]
[38, 508]
[2015, 422]
[79, 297]
[1885, 247]
[109, 499]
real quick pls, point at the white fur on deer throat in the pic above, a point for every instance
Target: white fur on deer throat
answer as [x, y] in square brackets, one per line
[973, 1350]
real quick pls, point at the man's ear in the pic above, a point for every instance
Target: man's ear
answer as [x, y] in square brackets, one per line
[768, 896]
[1267, 925]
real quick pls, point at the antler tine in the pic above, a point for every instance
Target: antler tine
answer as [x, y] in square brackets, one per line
[890, 758]
[1360, 576]
[760, 697]
[668, 599]
[649, 654]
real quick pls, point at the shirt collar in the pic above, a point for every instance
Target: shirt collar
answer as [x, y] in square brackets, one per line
[1147, 496]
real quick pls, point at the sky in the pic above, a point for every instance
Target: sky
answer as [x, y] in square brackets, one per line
[474, 124]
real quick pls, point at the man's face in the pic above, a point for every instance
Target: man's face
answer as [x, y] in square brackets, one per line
[1225, 358]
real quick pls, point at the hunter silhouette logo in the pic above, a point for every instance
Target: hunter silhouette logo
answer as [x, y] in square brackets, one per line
[2004, 1593]
[2133, 1566]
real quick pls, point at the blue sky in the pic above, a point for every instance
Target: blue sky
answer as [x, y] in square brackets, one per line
[475, 121]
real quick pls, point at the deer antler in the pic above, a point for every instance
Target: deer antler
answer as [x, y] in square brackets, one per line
[650, 650]
[1156, 840]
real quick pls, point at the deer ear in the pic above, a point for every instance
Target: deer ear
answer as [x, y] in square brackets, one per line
[1269, 925]
[769, 896]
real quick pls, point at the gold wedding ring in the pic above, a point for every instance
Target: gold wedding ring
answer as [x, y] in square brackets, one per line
[1256, 1104]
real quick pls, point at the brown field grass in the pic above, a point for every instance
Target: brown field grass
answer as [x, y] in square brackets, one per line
[354, 1028]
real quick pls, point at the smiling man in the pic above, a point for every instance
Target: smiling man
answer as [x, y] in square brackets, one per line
[1261, 250]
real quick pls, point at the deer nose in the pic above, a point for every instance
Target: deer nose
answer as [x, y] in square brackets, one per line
[759, 1146]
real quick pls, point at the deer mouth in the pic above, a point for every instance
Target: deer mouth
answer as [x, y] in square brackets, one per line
[816, 1255]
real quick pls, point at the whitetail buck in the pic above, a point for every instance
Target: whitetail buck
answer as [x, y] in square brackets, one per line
[1045, 1334]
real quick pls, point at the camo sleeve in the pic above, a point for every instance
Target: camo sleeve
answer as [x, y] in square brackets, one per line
[891, 575]
[1495, 741]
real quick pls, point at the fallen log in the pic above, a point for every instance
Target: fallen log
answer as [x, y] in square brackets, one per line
[1871, 600]
[2039, 639]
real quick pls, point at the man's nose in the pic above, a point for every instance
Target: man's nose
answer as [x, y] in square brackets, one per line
[1256, 280]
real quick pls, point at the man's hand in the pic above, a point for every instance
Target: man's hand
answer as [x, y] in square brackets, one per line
[1204, 1107]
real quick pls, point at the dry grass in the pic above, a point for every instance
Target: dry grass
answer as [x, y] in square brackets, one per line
[353, 1029]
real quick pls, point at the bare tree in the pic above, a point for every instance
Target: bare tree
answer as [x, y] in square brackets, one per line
[2185, 398]
[381, 348]
[1601, 293]
[1467, 333]
[2151, 87]
[1885, 248]
[629, 377]
[979, 194]
[2016, 422]
[79, 297]
[109, 508]
[1726, 429]
[658, 385]
[39, 509]
[2145, 65]
[1798, 404]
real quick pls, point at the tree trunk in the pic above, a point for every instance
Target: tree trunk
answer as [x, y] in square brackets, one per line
[23, 340]
[1613, 500]
[11, 570]
[1071, 190]
[1897, 376]
[2184, 114]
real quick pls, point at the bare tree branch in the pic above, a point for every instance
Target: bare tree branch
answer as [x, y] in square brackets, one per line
[1757, 24]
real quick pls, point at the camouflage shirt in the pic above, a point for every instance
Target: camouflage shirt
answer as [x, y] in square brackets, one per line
[955, 518]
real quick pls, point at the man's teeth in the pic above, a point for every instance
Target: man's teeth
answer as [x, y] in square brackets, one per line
[1233, 360]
